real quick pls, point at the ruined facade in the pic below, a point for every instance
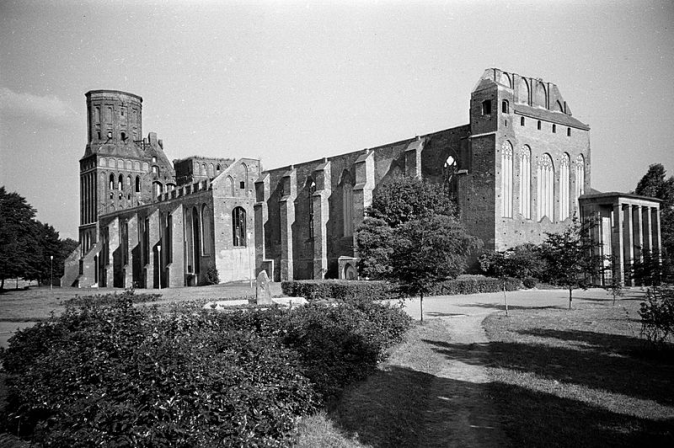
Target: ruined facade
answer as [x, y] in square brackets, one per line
[520, 168]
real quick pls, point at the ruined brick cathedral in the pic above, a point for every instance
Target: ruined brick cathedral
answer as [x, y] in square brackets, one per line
[520, 168]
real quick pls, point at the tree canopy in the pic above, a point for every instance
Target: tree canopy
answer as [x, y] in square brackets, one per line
[26, 244]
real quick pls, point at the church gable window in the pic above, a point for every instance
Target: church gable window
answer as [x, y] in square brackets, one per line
[239, 227]
[486, 107]
[564, 183]
[525, 182]
[546, 192]
[507, 180]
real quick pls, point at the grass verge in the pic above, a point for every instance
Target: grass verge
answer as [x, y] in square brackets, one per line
[580, 378]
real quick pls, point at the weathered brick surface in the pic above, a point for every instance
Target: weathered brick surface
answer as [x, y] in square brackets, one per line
[301, 220]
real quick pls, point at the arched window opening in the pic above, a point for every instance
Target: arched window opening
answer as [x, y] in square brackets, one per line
[239, 227]
[207, 229]
[568, 132]
[554, 128]
[523, 92]
[112, 182]
[230, 186]
[521, 121]
[196, 229]
[203, 169]
[155, 169]
[449, 175]
[546, 190]
[525, 182]
[137, 184]
[486, 107]
[217, 169]
[311, 189]
[158, 188]
[580, 178]
[347, 203]
[539, 125]
[507, 180]
[505, 107]
[243, 179]
[211, 172]
[564, 185]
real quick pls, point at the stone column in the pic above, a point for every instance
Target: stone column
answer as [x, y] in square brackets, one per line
[628, 243]
[638, 233]
[321, 211]
[648, 231]
[287, 214]
[175, 270]
[618, 243]
[657, 236]
[153, 264]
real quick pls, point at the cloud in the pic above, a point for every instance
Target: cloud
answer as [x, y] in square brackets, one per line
[49, 109]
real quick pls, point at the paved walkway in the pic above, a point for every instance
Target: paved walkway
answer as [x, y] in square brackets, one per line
[460, 403]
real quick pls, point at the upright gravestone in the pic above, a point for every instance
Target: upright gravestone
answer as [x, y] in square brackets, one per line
[262, 291]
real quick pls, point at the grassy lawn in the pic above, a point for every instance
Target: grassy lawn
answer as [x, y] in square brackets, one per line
[581, 378]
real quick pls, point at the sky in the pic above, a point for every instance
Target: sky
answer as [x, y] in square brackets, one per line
[293, 81]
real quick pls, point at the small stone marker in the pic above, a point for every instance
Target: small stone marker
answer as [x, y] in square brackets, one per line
[262, 291]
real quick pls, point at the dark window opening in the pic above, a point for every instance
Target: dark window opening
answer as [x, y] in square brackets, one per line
[124, 136]
[137, 184]
[242, 185]
[486, 107]
[239, 226]
[539, 125]
[505, 107]
[568, 132]
[521, 121]
[554, 128]
[98, 134]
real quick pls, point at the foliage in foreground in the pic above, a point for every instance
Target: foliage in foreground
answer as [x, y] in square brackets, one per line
[126, 376]
[657, 315]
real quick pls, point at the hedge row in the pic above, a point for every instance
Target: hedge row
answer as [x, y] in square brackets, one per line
[131, 376]
[339, 289]
[379, 290]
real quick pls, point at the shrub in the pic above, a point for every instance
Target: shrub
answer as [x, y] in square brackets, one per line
[657, 315]
[342, 344]
[474, 285]
[339, 289]
[212, 277]
[112, 298]
[530, 282]
[121, 376]
[518, 262]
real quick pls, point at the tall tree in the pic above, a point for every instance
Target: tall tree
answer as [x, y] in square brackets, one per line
[427, 251]
[656, 184]
[571, 257]
[16, 235]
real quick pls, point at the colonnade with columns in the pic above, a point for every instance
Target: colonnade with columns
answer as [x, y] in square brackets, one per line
[626, 229]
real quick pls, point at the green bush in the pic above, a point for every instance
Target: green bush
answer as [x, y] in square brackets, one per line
[474, 285]
[339, 289]
[125, 376]
[530, 282]
[112, 298]
[657, 315]
[122, 376]
[212, 276]
[342, 344]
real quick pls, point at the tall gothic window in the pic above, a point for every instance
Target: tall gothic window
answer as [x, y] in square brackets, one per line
[206, 229]
[564, 183]
[347, 207]
[507, 180]
[580, 177]
[525, 182]
[239, 226]
[546, 187]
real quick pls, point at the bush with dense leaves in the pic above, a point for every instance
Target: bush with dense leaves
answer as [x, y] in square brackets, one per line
[657, 315]
[530, 282]
[519, 262]
[127, 376]
[122, 376]
[112, 298]
[474, 285]
[340, 289]
[343, 343]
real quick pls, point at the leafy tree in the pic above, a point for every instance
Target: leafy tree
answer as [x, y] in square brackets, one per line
[395, 203]
[427, 251]
[655, 184]
[16, 235]
[27, 245]
[519, 262]
[571, 256]
[405, 199]
[374, 242]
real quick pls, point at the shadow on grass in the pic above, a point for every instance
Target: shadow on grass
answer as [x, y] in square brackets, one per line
[436, 314]
[500, 306]
[402, 407]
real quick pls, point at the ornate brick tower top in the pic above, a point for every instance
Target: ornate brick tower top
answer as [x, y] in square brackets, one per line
[114, 116]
